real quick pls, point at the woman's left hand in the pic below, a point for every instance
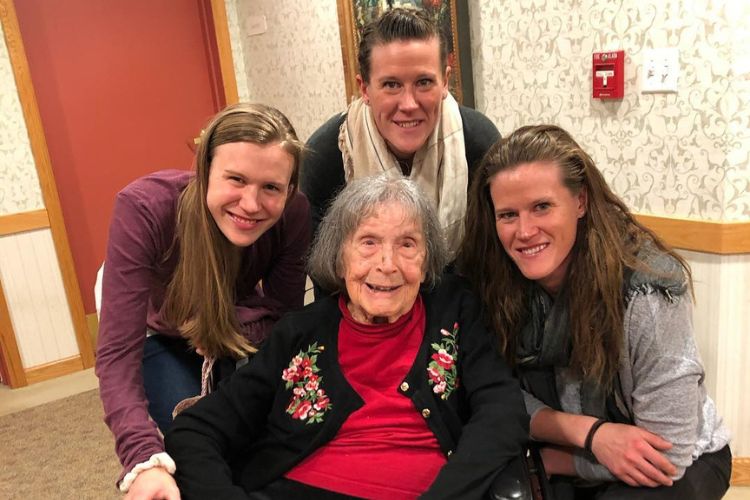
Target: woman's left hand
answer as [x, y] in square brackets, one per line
[633, 455]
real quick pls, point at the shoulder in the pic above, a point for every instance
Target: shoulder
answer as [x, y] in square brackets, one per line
[162, 187]
[479, 134]
[297, 208]
[323, 167]
[151, 200]
[661, 274]
[477, 122]
[329, 130]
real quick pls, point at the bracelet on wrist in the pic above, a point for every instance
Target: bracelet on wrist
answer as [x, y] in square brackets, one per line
[590, 436]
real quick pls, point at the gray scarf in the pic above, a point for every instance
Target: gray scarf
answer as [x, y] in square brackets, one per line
[545, 342]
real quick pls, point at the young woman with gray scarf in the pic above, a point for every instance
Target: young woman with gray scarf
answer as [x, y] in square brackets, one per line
[594, 311]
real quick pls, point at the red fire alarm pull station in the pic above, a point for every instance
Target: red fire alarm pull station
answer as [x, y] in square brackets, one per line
[608, 74]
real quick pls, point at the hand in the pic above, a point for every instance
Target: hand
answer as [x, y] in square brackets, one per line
[153, 484]
[633, 455]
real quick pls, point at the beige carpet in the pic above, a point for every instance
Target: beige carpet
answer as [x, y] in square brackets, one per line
[60, 450]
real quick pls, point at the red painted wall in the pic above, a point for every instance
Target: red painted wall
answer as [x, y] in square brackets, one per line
[123, 87]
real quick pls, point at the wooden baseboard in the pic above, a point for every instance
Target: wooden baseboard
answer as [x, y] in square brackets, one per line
[740, 471]
[700, 236]
[53, 370]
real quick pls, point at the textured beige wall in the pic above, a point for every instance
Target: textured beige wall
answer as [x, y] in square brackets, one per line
[682, 155]
[296, 64]
[19, 184]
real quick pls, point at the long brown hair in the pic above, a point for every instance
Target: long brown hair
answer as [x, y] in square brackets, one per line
[200, 298]
[607, 242]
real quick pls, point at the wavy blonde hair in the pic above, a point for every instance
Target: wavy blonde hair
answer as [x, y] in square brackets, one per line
[200, 298]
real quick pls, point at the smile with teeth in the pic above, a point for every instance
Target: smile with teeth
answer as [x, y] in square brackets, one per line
[533, 250]
[378, 288]
[242, 220]
[410, 124]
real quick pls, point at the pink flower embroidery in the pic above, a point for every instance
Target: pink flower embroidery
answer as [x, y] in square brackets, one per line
[442, 371]
[443, 359]
[309, 401]
[302, 409]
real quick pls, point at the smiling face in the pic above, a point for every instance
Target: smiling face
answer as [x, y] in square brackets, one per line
[536, 218]
[405, 90]
[248, 186]
[384, 264]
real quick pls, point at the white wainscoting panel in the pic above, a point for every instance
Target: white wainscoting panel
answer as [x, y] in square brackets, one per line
[722, 330]
[33, 288]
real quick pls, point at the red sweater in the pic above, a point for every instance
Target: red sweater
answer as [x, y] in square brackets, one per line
[385, 449]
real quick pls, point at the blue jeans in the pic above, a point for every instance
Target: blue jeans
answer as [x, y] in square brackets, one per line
[171, 373]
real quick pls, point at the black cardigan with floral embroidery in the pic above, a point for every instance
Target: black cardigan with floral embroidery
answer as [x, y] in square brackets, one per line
[259, 424]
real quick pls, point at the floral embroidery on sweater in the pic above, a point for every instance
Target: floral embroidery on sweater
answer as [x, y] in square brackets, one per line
[309, 401]
[442, 369]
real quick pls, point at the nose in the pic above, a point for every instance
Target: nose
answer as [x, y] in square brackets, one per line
[408, 101]
[249, 201]
[526, 228]
[387, 264]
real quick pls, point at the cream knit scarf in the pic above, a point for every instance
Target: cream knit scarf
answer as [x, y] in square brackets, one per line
[439, 167]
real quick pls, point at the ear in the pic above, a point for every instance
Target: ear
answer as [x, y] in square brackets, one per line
[446, 79]
[363, 89]
[583, 202]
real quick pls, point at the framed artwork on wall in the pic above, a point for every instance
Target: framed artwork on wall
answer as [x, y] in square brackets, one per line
[452, 16]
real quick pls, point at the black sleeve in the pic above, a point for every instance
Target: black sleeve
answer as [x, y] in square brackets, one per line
[322, 172]
[204, 438]
[479, 135]
[497, 428]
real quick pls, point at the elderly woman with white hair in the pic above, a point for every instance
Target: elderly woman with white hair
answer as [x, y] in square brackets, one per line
[389, 388]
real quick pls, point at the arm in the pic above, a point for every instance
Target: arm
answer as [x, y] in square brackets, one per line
[662, 372]
[223, 425]
[497, 428]
[133, 248]
[626, 452]
[666, 375]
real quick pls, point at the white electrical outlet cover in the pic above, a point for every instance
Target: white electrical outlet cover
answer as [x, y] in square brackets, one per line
[660, 70]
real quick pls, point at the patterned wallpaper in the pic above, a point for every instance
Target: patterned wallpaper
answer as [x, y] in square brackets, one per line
[291, 66]
[19, 185]
[681, 155]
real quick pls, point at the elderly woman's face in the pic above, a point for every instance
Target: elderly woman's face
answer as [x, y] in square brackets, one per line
[384, 265]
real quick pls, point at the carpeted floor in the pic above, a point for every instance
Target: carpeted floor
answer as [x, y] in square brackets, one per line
[60, 450]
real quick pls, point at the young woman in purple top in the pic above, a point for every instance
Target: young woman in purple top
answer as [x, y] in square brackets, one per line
[205, 262]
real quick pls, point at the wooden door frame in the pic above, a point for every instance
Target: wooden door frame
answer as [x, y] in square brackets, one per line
[51, 216]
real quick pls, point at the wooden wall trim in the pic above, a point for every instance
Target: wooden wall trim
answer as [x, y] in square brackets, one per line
[740, 471]
[55, 369]
[224, 44]
[701, 236]
[24, 221]
[39, 150]
[348, 47]
[11, 357]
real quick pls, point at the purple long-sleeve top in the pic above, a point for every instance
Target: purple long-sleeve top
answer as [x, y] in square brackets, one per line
[135, 278]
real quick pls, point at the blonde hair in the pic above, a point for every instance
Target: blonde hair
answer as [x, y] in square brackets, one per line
[200, 298]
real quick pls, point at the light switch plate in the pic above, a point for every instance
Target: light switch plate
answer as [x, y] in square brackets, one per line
[255, 25]
[660, 70]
